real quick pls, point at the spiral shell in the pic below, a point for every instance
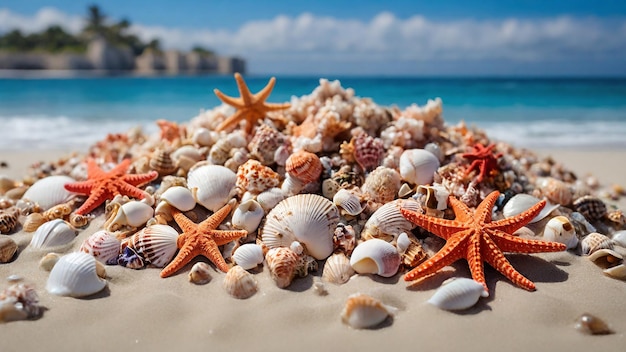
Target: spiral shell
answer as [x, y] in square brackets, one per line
[161, 162]
[239, 283]
[560, 229]
[248, 216]
[283, 264]
[133, 214]
[156, 244]
[214, 185]
[248, 256]
[375, 256]
[337, 269]
[103, 246]
[264, 144]
[304, 166]
[362, 311]
[52, 234]
[458, 294]
[75, 275]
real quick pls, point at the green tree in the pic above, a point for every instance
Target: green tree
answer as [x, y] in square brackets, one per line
[95, 22]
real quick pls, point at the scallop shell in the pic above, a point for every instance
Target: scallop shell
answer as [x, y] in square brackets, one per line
[522, 202]
[53, 233]
[200, 273]
[362, 311]
[304, 166]
[248, 216]
[214, 185]
[156, 244]
[560, 229]
[337, 269]
[387, 222]
[368, 151]
[592, 208]
[283, 264]
[50, 191]
[348, 201]
[458, 294]
[308, 218]
[418, 166]
[593, 242]
[375, 256]
[8, 248]
[103, 246]
[75, 275]
[248, 256]
[239, 283]
[382, 184]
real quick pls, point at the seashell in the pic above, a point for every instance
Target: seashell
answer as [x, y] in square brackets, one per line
[200, 273]
[344, 238]
[269, 198]
[369, 152]
[161, 162]
[304, 166]
[337, 269]
[362, 311]
[58, 211]
[348, 201]
[283, 264]
[583, 227]
[155, 244]
[592, 325]
[16, 193]
[239, 283]
[8, 219]
[75, 275]
[606, 258]
[178, 197]
[403, 242]
[133, 214]
[214, 185]
[248, 256]
[387, 222]
[291, 185]
[560, 229]
[79, 220]
[130, 259]
[458, 294]
[48, 261]
[248, 216]
[405, 190]
[616, 272]
[375, 256]
[103, 246]
[50, 191]
[255, 177]
[53, 233]
[418, 166]
[6, 183]
[297, 247]
[188, 152]
[8, 248]
[435, 197]
[33, 221]
[593, 242]
[619, 238]
[19, 301]
[522, 202]
[202, 137]
[382, 184]
[330, 187]
[556, 191]
[308, 218]
[264, 144]
[617, 217]
[591, 207]
[414, 253]
[436, 150]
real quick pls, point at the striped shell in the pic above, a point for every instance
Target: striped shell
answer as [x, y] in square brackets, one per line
[8, 219]
[382, 185]
[595, 241]
[156, 244]
[348, 201]
[337, 269]
[214, 185]
[308, 218]
[368, 151]
[556, 191]
[458, 294]
[239, 283]
[362, 311]
[75, 275]
[375, 256]
[255, 177]
[161, 162]
[103, 246]
[52, 234]
[248, 256]
[591, 207]
[387, 222]
[304, 166]
[283, 264]
[50, 191]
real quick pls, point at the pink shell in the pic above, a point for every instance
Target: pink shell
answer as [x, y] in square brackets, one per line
[254, 177]
[104, 246]
[368, 151]
[304, 166]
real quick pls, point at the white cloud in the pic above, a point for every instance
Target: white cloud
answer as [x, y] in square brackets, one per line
[44, 18]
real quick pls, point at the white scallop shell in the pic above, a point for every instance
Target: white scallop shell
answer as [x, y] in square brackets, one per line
[50, 191]
[375, 256]
[179, 197]
[308, 218]
[75, 275]
[458, 294]
[248, 216]
[387, 222]
[212, 185]
[52, 234]
[521, 202]
[133, 213]
[362, 311]
[337, 269]
[239, 283]
[418, 166]
[348, 201]
[560, 229]
[269, 198]
[156, 244]
[103, 246]
[248, 256]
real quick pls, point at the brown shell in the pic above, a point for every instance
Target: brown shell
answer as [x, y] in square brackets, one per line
[591, 207]
[282, 263]
[8, 219]
[162, 163]
[304, 166]
[33, 221]
[58, 211]
[264, 144]
[8, 247]
[414, 254]
[595, 241]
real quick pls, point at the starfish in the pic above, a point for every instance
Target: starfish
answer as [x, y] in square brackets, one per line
[251, 107]
[201, 239]
[101, 185]
[473, 236]
[170, 131]
[483, 160]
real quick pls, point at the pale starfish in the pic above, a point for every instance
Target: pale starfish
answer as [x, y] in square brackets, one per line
[101, 185]
[473, 236]
[201, 239]
[250, 107]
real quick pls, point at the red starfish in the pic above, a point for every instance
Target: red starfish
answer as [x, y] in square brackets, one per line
[102, 185]
[201, 239]
[483, 160]
[473, 236]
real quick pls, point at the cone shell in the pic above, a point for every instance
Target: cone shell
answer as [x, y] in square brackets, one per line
[282, 263]
[50, 191]
[308, 218]
[337, 269]
[362, 311]
[348, 201]
[304, 166]
[595, 241]
[458, 294]
[156, 244]
[239, 283]
[375, 256]
[387, 222]
[103, 246]
[248, 216]
[418, 166]
[75, 275]
[214, 185]
[52, 234]
[382, 185]
[560, 229]
[248, 256]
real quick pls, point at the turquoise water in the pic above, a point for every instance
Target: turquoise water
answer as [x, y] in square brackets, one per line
[75, 112]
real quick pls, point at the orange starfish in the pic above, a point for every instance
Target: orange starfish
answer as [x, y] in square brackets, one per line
[483, 160]
[476, 238]
[251, 107]
[170, 131]
[101, 185]
[201, 239]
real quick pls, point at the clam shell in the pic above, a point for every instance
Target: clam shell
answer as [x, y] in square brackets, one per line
[375, 256]
[382, 184]
[239, 283]
[348, 201]
[308, 218]
[283, 264]
[522, 202]
[269, 198]
[458, 294]
[53, 233]
[200, 273]
[103, 246]
[248, 216]
[156, 244]
[248, 256]
[418, 166]
[337, 269]
[362, 311]
[50, 191]
[593, 242]
[387, 222]
[214, 185]
[304, 166]
[8, 248]
[560, 229]
[75, 275]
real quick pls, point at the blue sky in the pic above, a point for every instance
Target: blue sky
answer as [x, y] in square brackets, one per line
[490, 37]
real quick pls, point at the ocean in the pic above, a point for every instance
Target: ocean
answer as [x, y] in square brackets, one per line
[75, 112]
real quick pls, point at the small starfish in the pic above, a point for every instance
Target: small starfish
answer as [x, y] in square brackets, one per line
[170, 131]
[101, 185]
[476, 238]
[201, 239]
[483, 160]
[251, 107]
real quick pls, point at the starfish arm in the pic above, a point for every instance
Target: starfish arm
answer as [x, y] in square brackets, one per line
[93, 170]
[494, 257]
[474, 165]
[450, 253]
[461, 210]
[513, 223]
[121, 168]
[235, 102]
[82, 187]
[140, 179]
[231, 121]
[485, 208]
[483, 171]
[129, 190]
[475, 260]
[243, 89]
[210, 250]
[222, 237]
[441, 227]
[183, 222]
[213, 221]
[184, 256]
[264, 93]
[514, 244]
[276, 106]
[97, 197]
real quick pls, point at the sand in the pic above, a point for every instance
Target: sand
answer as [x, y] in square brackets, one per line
[141, 311]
